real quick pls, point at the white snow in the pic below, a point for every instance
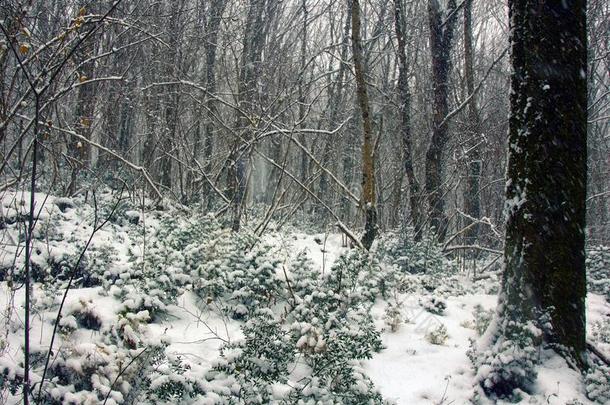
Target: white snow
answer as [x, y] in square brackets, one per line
[410, 370]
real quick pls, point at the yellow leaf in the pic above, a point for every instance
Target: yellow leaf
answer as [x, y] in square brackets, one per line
[82, 11]
[24, 48]
[82, 79]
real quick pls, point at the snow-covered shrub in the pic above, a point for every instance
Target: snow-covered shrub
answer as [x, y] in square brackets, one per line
[413, 256]
[85, 314]
[130, 329]
[97, 264]
[171, 382]
[393, 316]
[333, 329]
[175, 250]
[57, 267]
[434, 305]
[438, 335]
[135, 298]
[328, 326]
[121, 213]
[446, 285]
[88, 373]
[482, 318]
[357, 274]
[250, 367]
[333, 356]
[303, 278]
[265, 352]
[11, 378]
[240, 271]
[254, 281]
[172, 253]
[600, 331]
[598, 270]
[597, 383]
[349, 385]
[224, 252]
[507, 365]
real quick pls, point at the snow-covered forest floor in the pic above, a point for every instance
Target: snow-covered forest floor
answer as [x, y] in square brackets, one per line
[170, 307]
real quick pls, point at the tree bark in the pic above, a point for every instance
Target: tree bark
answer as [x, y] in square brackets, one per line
[253, 42]
[79, 153]
[335, 101]
[472, 204]
[547, 175]
[368, 163]
[405, 117]
[212, 26]
[441, 37]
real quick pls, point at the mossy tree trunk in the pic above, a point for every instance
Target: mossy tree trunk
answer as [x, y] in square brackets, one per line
[368, 162]
[547, 174]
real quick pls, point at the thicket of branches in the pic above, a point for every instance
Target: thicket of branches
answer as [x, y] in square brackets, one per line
[237, 105]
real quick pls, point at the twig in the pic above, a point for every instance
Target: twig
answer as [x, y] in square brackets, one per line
[474, 247]
[289, 286]
[96, 228]
[593, 349]
[121, 373]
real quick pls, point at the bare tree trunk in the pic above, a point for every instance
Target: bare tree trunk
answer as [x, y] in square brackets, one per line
[472, 204]
[368, 163]
[172, 97]
[253, 42]
[441, 36]
[335, 99]
[78, 152]
[216, 10]
[405, 119]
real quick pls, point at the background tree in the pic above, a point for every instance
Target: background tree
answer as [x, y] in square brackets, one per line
[442, 24]
[368, 163]
[169, 101]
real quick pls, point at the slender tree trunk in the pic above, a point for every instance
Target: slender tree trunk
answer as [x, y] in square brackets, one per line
[405, 118]
[78, 151]
[253, 42]
[472, 204]
[368, 162]
[335, 101]
[301, 88]
[172, 99]
[216, 10]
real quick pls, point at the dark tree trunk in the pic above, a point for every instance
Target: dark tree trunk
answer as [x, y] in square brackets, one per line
[546, 188]
[441, 36]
